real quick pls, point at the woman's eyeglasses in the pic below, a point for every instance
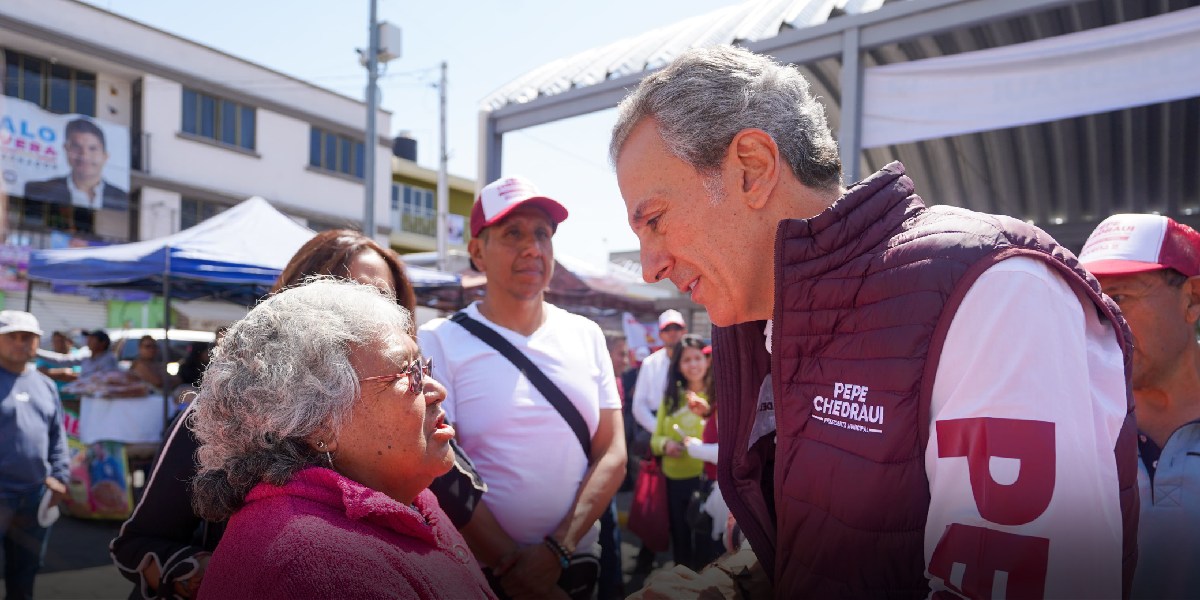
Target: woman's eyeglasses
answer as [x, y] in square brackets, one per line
[417, 371]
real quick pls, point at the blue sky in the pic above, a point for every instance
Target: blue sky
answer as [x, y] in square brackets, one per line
[486, 44]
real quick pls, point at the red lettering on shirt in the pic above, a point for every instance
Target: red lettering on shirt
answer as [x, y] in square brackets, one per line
[1030, 442]
[983, 552]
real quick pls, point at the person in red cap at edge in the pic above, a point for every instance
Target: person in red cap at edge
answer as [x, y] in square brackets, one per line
[914, 401]
[552, 461]
[1149, 265]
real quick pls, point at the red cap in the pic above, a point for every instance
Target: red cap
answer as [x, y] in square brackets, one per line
[500, 197]
[1130, 243]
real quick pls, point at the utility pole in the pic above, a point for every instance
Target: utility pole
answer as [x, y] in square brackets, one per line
[372, 103]
[443, 186]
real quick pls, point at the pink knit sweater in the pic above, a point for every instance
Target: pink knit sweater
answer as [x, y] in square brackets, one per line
[325, 536]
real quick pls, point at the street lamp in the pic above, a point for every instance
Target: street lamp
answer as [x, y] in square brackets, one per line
[376, 52]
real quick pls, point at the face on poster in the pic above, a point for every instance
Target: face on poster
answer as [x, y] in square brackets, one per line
[63, 159]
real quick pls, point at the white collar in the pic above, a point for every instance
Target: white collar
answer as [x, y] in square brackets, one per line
[80, 197]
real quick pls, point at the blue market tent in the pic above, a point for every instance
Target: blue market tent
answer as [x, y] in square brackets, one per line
[235, 255]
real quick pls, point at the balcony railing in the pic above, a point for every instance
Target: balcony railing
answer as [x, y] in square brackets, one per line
[421, 222]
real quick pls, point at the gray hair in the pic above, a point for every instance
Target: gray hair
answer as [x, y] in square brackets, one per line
[280, 375]
[707, 95]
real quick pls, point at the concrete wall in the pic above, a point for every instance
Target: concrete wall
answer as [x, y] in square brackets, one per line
[160, 213]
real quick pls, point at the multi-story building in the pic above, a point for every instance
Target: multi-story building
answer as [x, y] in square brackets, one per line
[414, 203]
[188, 131]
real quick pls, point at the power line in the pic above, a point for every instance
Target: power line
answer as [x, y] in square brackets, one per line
[587, 161]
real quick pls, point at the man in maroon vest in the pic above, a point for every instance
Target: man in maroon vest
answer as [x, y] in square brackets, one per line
[913, 399]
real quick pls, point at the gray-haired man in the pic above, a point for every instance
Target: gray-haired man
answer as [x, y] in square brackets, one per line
[911, 398]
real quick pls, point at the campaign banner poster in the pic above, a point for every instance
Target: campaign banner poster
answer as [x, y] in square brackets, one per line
[63, 159]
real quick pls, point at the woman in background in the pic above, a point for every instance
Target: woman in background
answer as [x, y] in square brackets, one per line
[148, 365]
[191, 371]
[710, 543]
[681, 415]
[192, 367]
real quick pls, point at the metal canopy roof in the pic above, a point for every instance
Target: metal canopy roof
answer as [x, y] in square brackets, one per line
[1065, 176]
[639, 55]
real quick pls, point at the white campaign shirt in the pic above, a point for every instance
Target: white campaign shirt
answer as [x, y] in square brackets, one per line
[648, 392]
[521, 446]
[1039, 381]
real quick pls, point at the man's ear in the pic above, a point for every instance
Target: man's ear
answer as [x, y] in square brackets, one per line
[475, 251]
[757, 163]
[1191, 292]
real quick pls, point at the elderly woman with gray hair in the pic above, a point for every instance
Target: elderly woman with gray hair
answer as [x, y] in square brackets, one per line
[320, 431]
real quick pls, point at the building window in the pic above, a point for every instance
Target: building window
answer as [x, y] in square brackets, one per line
[192, 211]
[54, 87]
[335, 152]
[217, 119]
[414, 209]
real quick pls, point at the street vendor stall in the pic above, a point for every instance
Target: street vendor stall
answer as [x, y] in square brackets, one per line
[235, 256]
[115, 420]
[115, 406]
[112, 423]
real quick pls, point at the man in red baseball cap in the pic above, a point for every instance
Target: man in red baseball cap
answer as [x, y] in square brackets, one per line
[503, 196]
[553, 457]
[1149, 265]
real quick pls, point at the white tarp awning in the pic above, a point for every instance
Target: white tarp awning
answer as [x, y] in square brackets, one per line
[1136, 63]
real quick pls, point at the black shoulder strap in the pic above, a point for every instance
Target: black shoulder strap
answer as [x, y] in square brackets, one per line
[551, 392]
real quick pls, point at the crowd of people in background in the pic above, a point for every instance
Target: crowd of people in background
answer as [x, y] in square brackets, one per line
[67, 364]
[913, 401]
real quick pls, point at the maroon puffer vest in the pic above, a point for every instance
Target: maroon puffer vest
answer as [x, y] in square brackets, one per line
[865, 293]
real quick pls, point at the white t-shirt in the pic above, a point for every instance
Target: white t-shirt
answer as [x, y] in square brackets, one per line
[648, 392]
[520, 445]
[1023, 351]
